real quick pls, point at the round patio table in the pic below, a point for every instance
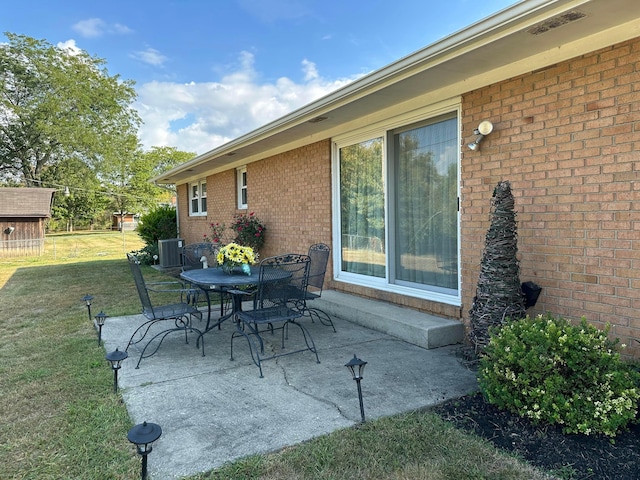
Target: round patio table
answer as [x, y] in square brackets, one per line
[209, 279]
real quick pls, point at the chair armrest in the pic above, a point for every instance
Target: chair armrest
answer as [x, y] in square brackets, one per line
[166, 286]
[247, 293]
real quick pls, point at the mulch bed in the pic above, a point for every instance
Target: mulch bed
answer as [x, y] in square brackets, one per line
[574, 457]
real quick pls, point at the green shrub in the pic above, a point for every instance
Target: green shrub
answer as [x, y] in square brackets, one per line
[552, 371]
[147, 253]
[158, 224]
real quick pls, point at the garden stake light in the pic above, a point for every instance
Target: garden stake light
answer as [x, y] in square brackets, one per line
[143, 435]
[87, 299]
[357, 376]
[100, 318]
[116, 358]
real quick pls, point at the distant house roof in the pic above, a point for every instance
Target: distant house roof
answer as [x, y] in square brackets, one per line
[26, 202]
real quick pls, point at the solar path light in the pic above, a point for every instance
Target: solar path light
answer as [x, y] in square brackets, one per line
[100, 318]
[357, 367]
[143, 435]
[87, 299]
[116, 358]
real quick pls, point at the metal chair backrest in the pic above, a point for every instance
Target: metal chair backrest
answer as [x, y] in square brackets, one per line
[147, 307]
[193, 253]
[319, 255]
[277, 276]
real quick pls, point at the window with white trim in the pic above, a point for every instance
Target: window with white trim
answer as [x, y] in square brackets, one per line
[198, 198]
[241, 176]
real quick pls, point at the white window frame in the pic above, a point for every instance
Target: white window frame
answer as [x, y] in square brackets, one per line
[381, 129]
[198, 192]
[241, 181]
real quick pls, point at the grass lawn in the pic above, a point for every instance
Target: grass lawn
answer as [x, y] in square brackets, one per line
[61, 419]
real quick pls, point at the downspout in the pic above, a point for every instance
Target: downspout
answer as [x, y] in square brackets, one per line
[177, 213]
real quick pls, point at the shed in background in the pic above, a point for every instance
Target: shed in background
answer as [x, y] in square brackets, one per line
[23, 216]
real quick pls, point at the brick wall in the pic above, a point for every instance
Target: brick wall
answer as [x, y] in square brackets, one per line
[567, 137]
[290, 193]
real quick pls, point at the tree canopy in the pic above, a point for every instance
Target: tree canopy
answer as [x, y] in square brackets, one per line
[83, 199]
[128, 177]
[66, 123]
[57, 104]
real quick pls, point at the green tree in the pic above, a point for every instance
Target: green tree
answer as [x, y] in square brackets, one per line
[161, 159]
[82, 200]
[57, 103]
[159, 224]
[127, 171]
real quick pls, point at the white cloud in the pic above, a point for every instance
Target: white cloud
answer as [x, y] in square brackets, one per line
[120, 29]
[69, 46]
[96, 27]
[197, 117]
[93, 27]
[310, 70]
[150, 56]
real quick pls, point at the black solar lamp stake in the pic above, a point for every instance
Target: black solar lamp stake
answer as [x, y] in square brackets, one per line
[100, 318]
[87, 299]
[143, 435]
[357, 367]
[116, 358]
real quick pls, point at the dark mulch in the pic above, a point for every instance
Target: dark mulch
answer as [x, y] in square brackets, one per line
[574, 457]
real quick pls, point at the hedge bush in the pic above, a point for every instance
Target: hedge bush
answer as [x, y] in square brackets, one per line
[552, 371]
[158, 224]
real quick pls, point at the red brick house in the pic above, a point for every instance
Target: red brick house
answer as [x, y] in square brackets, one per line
[382, 171]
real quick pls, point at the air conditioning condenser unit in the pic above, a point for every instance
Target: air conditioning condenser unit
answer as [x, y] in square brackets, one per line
[170, 252]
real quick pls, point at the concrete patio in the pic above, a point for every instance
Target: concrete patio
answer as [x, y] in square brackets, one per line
[213, 410]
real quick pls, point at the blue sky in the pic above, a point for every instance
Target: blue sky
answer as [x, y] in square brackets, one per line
[207, 71]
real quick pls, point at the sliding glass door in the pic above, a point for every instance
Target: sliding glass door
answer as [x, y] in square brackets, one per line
[425, 165]
[362, 206]
[398, 208]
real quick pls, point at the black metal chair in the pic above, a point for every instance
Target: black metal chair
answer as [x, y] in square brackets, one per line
[203, 255]
[319, 255]
[179, 313]
[273, 305]
[196, 255]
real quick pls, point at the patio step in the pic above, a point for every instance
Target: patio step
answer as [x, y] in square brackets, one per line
[422, 329]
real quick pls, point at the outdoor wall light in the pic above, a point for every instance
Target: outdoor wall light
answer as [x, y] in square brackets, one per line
[143, 435]
[100, 318]
[87, 299]
[357, 367]
[116, 358]
[9, 230]
[484, 129]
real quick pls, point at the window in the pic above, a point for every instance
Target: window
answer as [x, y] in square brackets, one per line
[198, 198]
[241, 175]
[397, 192]
[425, 167]
[362, 226]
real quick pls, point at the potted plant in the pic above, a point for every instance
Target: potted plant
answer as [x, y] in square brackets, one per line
[233, 256]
